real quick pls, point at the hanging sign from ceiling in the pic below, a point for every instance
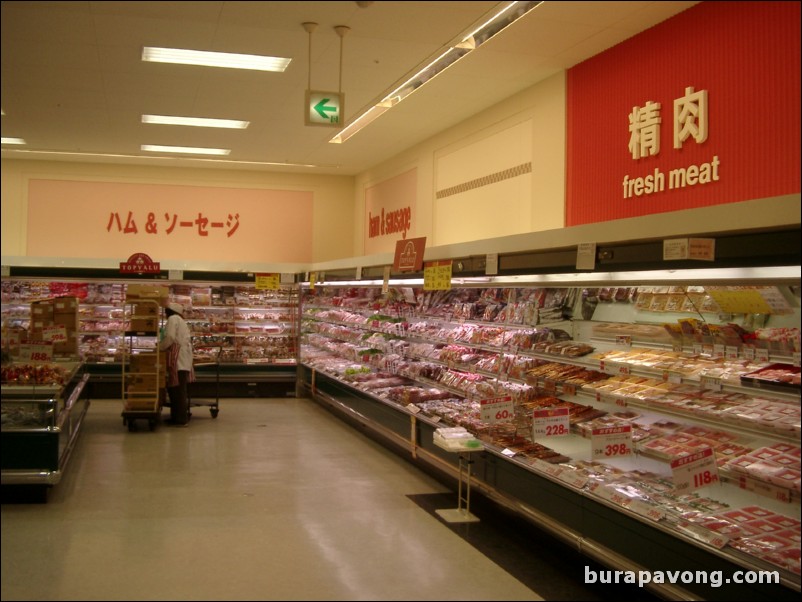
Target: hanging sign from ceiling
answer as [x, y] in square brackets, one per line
[324, 108]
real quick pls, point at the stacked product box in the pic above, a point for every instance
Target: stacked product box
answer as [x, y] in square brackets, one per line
[56, 321]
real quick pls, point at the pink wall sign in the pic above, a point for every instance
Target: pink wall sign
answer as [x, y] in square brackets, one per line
[169, 222]
[699, 110]
[390, 212]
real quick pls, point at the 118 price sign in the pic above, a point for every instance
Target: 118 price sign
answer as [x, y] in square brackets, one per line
[695, 471]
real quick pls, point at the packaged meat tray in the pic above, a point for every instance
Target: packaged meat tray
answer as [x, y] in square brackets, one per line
[779, 377]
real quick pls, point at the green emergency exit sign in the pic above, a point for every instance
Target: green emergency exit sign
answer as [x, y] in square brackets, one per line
[324, 108]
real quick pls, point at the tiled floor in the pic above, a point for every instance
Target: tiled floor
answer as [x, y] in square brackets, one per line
[276, 499]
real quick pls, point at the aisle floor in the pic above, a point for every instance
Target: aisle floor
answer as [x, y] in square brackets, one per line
[275, 499]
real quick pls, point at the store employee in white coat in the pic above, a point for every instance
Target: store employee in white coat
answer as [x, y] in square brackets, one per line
[177, 345]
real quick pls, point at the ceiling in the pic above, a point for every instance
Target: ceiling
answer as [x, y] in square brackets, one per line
[74, 85]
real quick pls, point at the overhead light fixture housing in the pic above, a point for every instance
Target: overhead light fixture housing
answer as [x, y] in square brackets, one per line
[468, 43]
[196, 121]
[13, 141]
[192, 150]
[215, 59]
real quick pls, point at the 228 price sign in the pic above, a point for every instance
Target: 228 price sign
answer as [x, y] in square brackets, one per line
[497, 409]
[550, 423]
[611, 442]
[695, 471]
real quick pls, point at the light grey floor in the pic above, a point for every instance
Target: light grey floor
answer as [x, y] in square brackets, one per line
[276, 499]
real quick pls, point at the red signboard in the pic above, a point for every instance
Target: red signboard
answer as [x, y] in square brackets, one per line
[140, 263]
[409, 254]
[699, 110]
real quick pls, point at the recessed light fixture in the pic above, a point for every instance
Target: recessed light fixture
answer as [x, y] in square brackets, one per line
[156, 148]
[13, 141]
[196, 121]
[214, 59]
[495, 24]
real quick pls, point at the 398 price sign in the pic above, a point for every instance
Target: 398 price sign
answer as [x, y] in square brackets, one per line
[695, 471]
[550, 423]
[611, 442]
[497, 409]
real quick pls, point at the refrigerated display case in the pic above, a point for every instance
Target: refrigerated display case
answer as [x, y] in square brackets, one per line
[649, 418]
[251, 332]
[43, 407]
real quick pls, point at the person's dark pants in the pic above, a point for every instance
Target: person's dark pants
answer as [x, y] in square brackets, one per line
[179, 402]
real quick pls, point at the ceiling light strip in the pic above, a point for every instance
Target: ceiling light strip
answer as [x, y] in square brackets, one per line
[214, 59]
[481, 34]
[15, 152]
[203, 122]
[193, 150]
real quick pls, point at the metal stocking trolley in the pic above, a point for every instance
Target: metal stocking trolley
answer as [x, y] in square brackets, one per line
[213, 405]
[143, 367]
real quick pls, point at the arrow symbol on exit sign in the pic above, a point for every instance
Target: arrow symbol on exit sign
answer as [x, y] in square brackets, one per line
[321, 108]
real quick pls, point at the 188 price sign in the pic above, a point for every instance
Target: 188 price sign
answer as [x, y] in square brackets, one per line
[497, 409]
[695, 471]
[550, 423]
[612, 442]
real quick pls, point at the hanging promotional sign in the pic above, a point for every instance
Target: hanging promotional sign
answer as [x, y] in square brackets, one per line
[409, 255]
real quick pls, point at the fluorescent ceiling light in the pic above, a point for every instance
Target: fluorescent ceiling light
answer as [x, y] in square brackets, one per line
[214, 59]
[510, 13]
[360, 122]
[108, 155]
[772, 275]
[13, 141]
[185, 149]
[202, 122]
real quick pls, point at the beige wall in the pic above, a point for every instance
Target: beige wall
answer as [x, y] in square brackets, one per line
[332, 205]
[473, 159]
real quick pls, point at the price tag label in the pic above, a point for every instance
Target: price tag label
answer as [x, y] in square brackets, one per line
[731, 352]
[710, 383]
[718, 350]
[413, 408]
[695, 471]
[611, 442]
[749, 352]
[699, 533]
[550, 423]
[271, 282]
[37, 352]
[610, 398]
[55, 334]
[624, 369]
[647, 510]
[762, 355]
[672, 377]
[547, 468]
[697, 349]
[549, 386]
[497, 409]
[623, 340]
[569, 389]
[573, 478]
[610, 494]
